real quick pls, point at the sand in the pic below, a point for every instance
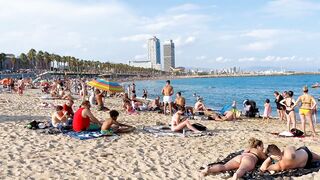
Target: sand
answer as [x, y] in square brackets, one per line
[25, 154]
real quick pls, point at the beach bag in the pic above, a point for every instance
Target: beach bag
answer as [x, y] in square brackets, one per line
[199, 127]
[32, 125]
[296, 132]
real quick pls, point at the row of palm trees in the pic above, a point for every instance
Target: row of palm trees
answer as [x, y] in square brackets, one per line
[44, 61]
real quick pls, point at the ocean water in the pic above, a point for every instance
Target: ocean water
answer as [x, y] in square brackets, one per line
[218, 92]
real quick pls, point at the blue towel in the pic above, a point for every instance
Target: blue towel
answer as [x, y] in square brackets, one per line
[85, 135]
[225, 108]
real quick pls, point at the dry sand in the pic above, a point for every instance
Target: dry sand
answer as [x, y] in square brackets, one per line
[25, 154]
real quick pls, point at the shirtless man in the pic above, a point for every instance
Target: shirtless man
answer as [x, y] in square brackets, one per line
[290, 158]
[167, 92]
[59, 117]
[111, 125]
[180, 101]
[199, 106]
[99, 99]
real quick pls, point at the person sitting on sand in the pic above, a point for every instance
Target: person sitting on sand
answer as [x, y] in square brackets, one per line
[128, 108]
[290, 158]
[84, 120]
[68, 108]
[177, 124]
[111, 125]
[67, 95]
[99, 99]
[155, 104]
[59, 117]
[199, 106]
[180, 101]
[243, 163]
[125, 99]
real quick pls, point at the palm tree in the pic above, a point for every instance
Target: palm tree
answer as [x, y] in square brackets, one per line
[31, 56]
[24, 61]
[40, 60]
[47, 60]
[2, 59]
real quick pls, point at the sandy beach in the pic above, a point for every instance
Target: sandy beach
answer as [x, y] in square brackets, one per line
[26, 154]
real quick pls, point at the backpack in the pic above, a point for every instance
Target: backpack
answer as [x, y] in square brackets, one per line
[199, 127]
[296, 132]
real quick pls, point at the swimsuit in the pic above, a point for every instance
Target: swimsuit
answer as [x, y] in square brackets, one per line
[288, 111]
[167, 99]
[310, 156]
[304, 111]
[108, 132]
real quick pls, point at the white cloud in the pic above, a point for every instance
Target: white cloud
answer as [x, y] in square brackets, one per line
[262, 33]
[140, 57]
[278, 58]
[183, 41]
[201, 57]
[184, 7]
[137, 37]
[221, 59]
[291, 8]
[247, 59]
[259, 46]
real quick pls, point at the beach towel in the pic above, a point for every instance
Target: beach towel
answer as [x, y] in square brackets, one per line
[161, 131]
[256, 174]
[85, 135]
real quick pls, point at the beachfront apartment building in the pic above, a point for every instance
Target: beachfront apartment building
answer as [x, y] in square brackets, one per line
[168, 56]
[154, 53]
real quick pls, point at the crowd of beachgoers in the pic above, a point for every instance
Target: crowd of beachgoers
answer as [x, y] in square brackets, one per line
[80, 117]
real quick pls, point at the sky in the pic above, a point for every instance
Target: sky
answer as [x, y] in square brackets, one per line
[212, 34]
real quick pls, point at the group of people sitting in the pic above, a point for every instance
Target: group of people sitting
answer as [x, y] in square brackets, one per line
[273, 159]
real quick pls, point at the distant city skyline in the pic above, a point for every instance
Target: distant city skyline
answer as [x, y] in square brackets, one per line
[213, 34]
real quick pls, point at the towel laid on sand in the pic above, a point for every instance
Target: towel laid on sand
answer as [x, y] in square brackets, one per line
[159, 131]
[256, 174]
[85, 135]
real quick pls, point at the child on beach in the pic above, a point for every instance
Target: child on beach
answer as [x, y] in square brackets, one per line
[267, 110]
[111, 125]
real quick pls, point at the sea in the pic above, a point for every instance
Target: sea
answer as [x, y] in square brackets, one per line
[221, 91]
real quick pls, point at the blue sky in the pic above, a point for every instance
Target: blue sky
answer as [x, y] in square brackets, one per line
[209, 34]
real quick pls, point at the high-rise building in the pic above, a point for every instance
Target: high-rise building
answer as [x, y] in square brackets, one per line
[168, 56]
[154, 52]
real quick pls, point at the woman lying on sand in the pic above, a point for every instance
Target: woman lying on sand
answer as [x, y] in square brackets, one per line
[177, 124]
[228, 115]
[243, 163]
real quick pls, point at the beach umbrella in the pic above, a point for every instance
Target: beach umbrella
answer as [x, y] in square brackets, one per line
[105, 85]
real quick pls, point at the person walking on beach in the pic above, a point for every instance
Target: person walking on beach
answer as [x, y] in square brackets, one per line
[307, 104]
[167, 92]
[280, 108]
[288, 102]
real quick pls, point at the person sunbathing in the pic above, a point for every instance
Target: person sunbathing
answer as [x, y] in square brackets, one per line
[111, 125]
[199, 106]
[128, 108]
[290, 158]
[155, 105]
[177, 124]
[243, 163]
[59, 117]
[227, 116]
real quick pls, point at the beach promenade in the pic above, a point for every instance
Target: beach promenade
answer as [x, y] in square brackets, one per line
[27, 154]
